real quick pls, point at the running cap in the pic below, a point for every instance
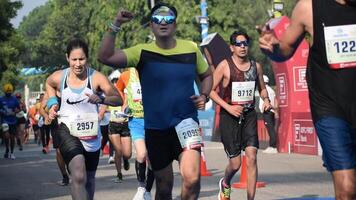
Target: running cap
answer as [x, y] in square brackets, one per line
[8, 88]
[164, 8]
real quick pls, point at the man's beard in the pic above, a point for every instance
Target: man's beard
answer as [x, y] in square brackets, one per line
[351, 2]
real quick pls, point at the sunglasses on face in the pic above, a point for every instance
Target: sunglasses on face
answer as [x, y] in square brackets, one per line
[157, 19]
[240, 43]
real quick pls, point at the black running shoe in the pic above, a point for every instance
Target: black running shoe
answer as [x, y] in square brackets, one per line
[64, 182]
[126, 164]
[118, 178]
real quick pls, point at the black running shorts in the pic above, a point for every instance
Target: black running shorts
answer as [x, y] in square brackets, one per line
[163, 147]
[119, 128]
[71, 146]
[236, 137]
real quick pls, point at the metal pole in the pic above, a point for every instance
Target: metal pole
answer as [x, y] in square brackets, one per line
[204, 19]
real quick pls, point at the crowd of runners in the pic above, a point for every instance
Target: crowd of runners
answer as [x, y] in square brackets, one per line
[153, 105]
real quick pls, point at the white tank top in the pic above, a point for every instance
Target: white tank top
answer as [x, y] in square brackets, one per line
[75, 105]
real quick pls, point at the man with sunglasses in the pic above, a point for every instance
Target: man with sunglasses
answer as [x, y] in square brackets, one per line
[167, 68]
[239, 76]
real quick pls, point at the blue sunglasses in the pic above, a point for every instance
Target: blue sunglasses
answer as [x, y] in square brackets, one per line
[157, 19]
[240, 43]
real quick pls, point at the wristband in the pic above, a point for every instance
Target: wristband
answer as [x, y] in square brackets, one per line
[114, 29]
[51, 101]
[206, 97]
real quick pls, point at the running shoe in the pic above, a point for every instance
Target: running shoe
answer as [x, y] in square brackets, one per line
[64, 182]
[140, 193]
[271, 150]
[126, 164]
[118, 178]
[111, 160]
[6, 155]
[147, 196]
[12, 156]
[44, 151]
[224, 192]
[20, 148]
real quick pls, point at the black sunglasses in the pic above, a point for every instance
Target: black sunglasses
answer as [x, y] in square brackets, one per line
[239, 43]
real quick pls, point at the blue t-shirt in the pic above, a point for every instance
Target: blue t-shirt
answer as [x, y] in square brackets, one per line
[8, 106]
[167, 81]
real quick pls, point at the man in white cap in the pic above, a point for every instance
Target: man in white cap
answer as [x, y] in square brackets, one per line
[270, 117]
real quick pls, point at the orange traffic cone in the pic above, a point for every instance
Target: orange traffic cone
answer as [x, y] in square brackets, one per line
[106, 150]
[203, 170]
[243, 177]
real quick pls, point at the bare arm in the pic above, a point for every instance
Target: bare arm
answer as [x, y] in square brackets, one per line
[52, 86]
[218, 76]
[107, 53]
[43, 113]
[102, 110]
[300, 23]
[262, 89]
[112, 97]
[206, 82]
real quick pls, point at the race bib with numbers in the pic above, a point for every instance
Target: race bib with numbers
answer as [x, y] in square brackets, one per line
[242, 92]
[84, 125]
[116, 115]
[136, 92]
[189, 134]
[340, 44]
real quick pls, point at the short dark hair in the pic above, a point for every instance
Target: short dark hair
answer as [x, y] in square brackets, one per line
[159, 4]
[77, 43]
[237, 33]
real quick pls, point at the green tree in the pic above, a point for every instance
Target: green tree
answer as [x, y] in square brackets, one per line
[89, 20]
[10, 43]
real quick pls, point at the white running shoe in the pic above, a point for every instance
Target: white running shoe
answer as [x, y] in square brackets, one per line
[147, 196]
[111, 160]
[140, 193]
[270, 150]
[12, 156]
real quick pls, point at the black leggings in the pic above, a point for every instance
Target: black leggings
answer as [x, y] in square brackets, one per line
[45, 134]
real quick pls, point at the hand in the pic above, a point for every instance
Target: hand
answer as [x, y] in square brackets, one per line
[268, 40]
[235, 110]
[266, 105]
[199, 101]
[52, 113]
[47, 120]
[94, 98]
[123, 16]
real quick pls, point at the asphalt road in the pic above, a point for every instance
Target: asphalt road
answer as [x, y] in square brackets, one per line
[33, 175]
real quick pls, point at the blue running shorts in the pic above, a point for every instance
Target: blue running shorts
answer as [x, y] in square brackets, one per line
[338, 141]
[137, 129]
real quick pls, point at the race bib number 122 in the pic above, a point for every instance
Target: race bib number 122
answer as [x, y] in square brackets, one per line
[340, 44]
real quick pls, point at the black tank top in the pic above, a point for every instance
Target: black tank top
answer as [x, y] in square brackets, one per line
[331, 92]
[237, 75]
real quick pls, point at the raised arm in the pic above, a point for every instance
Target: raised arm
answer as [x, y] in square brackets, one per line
[107, 53]
[284, 48]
